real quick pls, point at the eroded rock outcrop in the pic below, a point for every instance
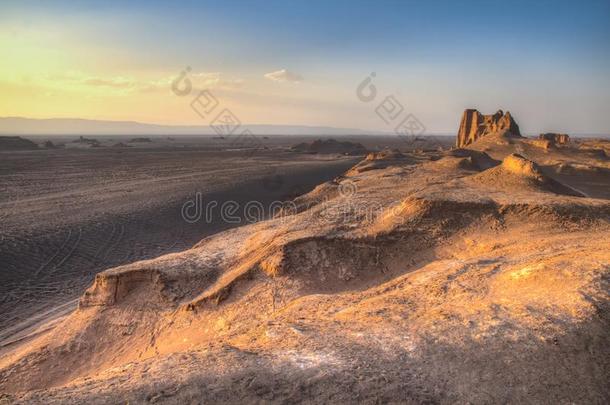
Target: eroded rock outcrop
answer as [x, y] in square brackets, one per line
[555, 138]
[328, 146]
[475, 125]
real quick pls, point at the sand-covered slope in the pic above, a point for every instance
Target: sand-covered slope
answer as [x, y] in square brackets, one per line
[472, 276]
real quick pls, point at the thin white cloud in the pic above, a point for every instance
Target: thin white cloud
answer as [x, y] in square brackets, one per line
[215, 80]
[284, 75]
[124, 85]
[115, 82]
[79, 78]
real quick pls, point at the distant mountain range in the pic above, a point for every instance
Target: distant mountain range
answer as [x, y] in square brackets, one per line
[70, 126]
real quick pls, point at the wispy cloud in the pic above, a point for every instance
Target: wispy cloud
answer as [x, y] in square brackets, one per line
[215, 80]
[114, 82]
[284, 75]
[81, 79]
[123, 85]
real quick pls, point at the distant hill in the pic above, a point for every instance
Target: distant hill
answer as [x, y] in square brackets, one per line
[69, 126]
[16, 143]
[330, 146]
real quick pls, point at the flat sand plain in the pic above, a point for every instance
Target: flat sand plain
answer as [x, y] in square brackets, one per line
[67, 214]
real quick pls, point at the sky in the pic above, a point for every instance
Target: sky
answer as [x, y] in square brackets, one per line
[301, 62]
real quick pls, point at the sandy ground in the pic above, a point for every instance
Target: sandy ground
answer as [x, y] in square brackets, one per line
[67, 214]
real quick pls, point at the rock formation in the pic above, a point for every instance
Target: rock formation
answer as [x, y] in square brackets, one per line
[555, 138]
[330, 146]
[475, 125]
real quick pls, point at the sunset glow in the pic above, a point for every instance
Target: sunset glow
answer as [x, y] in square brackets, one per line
[287, 64]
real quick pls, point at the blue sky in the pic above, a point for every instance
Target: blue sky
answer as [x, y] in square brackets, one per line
[546, 61]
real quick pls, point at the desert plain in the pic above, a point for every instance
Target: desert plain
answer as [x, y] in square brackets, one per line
[472, 270]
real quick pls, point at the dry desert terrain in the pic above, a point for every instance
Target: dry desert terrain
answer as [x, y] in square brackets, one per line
[478, 274]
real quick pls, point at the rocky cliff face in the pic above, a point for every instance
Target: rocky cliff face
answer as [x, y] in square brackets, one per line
[474, 125]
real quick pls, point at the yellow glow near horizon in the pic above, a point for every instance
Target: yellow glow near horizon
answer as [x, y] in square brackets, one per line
[41, 81]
